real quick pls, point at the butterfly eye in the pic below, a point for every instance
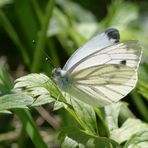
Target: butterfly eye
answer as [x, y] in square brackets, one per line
[56, 72]
[113, 34]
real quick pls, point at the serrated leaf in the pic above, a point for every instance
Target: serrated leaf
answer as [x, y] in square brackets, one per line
[86, 115]
[41, 95]
[58, 105]
[70, 143]
[39, 86]
[127, 130]
[139, 140]
[73, 137]
[5, 83]
[43, 99]
[31, 80]
[111, 115]
[15, 100]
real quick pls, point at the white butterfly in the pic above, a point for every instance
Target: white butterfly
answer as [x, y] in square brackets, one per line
[102, 71]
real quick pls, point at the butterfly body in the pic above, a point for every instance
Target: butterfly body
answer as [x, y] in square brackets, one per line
[102, 71]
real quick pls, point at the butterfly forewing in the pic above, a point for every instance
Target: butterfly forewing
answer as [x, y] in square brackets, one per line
[127, 53]
[107, 38]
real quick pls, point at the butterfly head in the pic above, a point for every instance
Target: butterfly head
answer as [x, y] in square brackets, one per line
[60, 77]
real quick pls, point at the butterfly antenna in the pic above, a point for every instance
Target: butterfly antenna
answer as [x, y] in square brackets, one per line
[46, 55]
[49, 60]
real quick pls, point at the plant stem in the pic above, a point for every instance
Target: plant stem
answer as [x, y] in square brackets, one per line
[13, 35]
[30, 128]
[37, 61]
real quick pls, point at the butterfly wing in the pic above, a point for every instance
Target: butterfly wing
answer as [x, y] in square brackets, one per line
[107, 75]
[107, 38]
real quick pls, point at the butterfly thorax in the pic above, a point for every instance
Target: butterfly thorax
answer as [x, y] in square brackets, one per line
[60, 77]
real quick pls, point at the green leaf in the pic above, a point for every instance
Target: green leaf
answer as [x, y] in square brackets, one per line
[120, 9]
[143, 71]
[38, 86]
[5, 112]
[71, 144]
[41, 95]
[140, 104]
[127, 130]
[28, 29]
[111, 115]
[58, 105]
[10, 98]
[101, 124]
[14, 36]
[5, 83]
[5, 2]
[58, 24]
[77, 37]
[61, 27]
[31, 128]
[84, 25]
[73, 137]
[32, 80]
[86, 29]
[103, 142]
[143, 88]
[139, 140]
[86, 115]
[73, 10]
[43, 90]
[16, 100]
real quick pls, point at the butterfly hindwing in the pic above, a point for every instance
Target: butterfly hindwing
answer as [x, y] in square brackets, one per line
[108, 81]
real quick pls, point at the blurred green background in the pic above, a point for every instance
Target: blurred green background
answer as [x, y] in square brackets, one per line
[32, 31]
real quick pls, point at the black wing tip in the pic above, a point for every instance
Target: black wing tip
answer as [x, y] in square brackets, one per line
[113, 33]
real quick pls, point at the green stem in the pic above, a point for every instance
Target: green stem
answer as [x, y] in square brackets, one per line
[37, 10]
[21, 138]
[30, 128]
[37, 61]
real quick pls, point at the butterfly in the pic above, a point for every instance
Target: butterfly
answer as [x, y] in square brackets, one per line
[102, 71]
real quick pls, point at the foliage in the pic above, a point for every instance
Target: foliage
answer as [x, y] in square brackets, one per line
[59, 27]
[84, 114]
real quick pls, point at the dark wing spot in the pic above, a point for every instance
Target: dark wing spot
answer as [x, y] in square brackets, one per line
[113, 34]
[123, 62]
